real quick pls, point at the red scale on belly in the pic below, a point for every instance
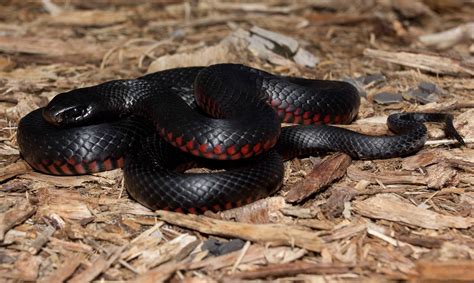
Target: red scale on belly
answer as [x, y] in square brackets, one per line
[52, 168]
[66, 170]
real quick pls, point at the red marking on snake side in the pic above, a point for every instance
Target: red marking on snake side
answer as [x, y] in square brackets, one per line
[249, 200]
[120, 162]
[192, 210]
[306, 115]
[238, 203]
[267, 145]
[41, 168]
[245, 149]
[218, 149]
[297, 119]
[93, 166]
[228, 205]
[231, 150]
[257, 148]
[45, 161]
[316, 117]
[66, 169]
[179, 209]
[170, 136]
[236, 156]
[307, 121]
[108, 164]
[71, 161]
[327, 119]
[203, 148]
[190, 144]
[216, 207]
[337, 119]
[209, 155]
[52, 168]
[222, 156]
[79, 168]
[179, 140]
[195, 152]
[203, 209]
[249, 154]
[287, 117]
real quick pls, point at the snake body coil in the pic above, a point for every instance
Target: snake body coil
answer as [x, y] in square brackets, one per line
[227, 113]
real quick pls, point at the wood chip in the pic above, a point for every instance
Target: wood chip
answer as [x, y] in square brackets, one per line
[288, 269]
[277, 234]
[431, 63]
[88, 18]
[452, 270]
[450, 37]
[219, 53]
[441, 175]
[15, 216]
[98, 266]
[27, 267]
[283, 41]
[424, 158]
[390, 207]
[67, 204]
[262, 211]
[65, 270]
[51, 47]
[41, 240]
[387, 178]
[12, 170]
[322, 175]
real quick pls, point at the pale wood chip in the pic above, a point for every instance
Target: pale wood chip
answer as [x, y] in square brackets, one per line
[70, 246]
[284, 41]
[50, 47]
[41, 240]
[441, 175]
[424, 158]
[278, 234]
[456, 270]
[287, 269]
[27, 267]
[450, 37]
[14, 169]
[15, 216]
[65, 203]
[387, 177]
[431, 63]
[65, 270]
[219, 53]
[262, 211]
[88, 18]
[390, 207]
[103, 262]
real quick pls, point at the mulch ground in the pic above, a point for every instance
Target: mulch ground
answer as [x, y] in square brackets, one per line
[334, 219]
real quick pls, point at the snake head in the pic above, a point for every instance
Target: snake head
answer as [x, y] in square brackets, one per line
[76, 107]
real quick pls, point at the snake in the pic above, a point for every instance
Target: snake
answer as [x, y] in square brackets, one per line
[227, 117]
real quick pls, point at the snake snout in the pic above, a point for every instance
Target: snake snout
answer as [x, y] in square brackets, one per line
[59, 116]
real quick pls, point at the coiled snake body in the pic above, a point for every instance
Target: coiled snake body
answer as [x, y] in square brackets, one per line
[226, 112]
